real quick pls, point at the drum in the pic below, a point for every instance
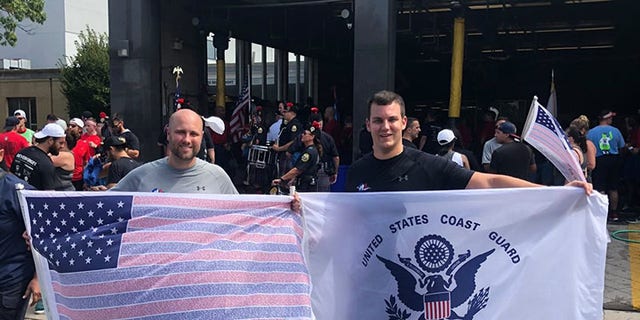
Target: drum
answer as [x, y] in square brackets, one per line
[261, 166]
[261, 156]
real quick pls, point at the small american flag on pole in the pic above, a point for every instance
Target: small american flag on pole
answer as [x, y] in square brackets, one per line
[141, 255]
[240, 115]
[544, 133]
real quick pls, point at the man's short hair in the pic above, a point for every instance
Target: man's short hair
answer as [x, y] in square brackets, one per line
[385, 98]
[410, 120]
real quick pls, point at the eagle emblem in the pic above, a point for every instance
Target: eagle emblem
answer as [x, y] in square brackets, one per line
[425, 289]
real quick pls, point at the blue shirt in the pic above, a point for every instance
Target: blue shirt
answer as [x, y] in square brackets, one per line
[608, 139]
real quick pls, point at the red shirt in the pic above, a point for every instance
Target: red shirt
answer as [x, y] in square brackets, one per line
[91, 138]
[81, 157]
[12, 142]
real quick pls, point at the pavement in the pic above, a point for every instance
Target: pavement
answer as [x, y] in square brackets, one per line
[622, 277]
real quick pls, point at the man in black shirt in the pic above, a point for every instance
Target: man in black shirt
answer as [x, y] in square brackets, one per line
[292, 127]
[33, 164]
[513, 158]
[391, 167]
[17, 272]
[118, 129]
[120, 162]
[411, 133]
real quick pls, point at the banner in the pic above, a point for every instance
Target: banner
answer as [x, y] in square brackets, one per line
[470, 254]
[167, 256]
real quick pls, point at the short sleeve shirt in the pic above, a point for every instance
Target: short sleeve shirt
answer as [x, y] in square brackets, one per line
[412, 170]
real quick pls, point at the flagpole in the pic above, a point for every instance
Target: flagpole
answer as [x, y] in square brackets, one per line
[249, 87]
[532, 109]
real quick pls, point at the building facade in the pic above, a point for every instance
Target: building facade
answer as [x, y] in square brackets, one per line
[30, 77]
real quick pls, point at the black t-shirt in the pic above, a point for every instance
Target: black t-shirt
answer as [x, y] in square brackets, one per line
[430, 131]
[132, 140]
[16, 263]
[412, 170]
[119, 168]
[291, 130]
[513, 159]
[36, 168]
[408, 144]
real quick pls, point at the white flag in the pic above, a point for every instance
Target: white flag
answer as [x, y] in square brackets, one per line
[543, 132]
[457, 254]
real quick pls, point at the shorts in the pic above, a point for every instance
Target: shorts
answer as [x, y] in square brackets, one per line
[606, 175]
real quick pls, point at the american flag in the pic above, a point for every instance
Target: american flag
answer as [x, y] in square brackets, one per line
[240, 115]
[544, 133]
[166, 256]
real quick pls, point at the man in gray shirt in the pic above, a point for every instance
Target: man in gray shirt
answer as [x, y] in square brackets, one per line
[181, 171]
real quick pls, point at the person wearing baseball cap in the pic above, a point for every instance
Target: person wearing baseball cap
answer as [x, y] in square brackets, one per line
[609, 142]
[512, 158]
[305, 170]
[23, 130]
[34, 165]
[11, 141]
[121, 163]
[447, 140]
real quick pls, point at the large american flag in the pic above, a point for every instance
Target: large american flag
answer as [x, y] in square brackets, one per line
[114, 256]
[240, 115]
[544, 133]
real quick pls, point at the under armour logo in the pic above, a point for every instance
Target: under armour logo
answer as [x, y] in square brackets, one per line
[403, 178]
[200, 188]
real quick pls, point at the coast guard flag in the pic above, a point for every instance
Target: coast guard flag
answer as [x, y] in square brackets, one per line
[167, 256]
[543, 132]
[457, 254]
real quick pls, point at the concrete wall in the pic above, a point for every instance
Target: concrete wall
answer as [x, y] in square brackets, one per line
[191, 57]
[78, 14]
[44, 85]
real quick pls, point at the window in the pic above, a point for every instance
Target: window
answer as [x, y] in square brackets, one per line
[29, 107]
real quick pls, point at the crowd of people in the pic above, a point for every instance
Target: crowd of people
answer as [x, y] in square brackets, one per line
[293, 146]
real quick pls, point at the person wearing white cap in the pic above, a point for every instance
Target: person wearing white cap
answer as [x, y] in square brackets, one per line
[33, 164]
[609, 144]
[447, 140]
[81, 152]
[22, 127]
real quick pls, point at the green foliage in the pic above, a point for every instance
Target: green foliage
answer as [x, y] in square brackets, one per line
[13, 12]
[85, 77]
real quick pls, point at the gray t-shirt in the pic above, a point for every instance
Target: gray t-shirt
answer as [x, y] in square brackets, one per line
[489, 147]
[158, 176]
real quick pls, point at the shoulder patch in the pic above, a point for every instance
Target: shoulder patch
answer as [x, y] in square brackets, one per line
[305, 157]
[294, 128]
[259, 130]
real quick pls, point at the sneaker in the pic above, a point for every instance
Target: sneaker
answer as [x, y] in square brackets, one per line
[39, 308]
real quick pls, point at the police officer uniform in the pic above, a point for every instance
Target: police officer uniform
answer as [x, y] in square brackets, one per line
[290, 131]
[307, 181]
